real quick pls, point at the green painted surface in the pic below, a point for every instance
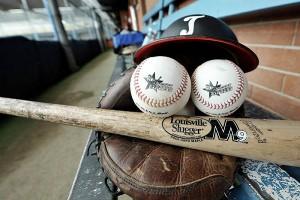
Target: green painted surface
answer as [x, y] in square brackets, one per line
[38, 160]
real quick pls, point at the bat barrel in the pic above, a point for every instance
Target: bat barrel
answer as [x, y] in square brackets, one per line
[268, 140]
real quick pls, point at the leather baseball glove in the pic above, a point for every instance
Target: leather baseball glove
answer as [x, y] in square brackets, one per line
[149, 170]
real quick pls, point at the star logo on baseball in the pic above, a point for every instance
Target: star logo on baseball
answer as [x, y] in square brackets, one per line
[157, 84]
[216, 90]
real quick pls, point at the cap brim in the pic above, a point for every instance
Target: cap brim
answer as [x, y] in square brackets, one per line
[245, 57]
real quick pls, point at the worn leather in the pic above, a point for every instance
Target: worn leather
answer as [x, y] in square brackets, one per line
[155, 171]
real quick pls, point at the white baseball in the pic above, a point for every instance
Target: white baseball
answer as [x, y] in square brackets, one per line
[219, 87]
[160, 86]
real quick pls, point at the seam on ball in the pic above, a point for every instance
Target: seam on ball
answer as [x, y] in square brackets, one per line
[162, 102]
[236, 95]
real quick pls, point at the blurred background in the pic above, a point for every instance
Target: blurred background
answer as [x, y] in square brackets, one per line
[59, 41]
[67, 51]
[43, 41]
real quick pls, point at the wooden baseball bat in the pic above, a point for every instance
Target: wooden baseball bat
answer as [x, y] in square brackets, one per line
[276, 141]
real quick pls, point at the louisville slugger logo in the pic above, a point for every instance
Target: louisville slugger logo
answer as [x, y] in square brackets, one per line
[199, 129]
[185, 129]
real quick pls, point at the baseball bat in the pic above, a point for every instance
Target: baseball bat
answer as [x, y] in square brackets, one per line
[276, 141]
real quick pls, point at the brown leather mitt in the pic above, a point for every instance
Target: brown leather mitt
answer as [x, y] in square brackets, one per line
[149, 170]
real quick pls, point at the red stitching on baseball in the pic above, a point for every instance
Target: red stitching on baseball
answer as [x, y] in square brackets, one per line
[230, 101]
[163, 102]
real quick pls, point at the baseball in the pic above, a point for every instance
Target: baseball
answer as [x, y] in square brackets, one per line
[219, 87]
[160, 86]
